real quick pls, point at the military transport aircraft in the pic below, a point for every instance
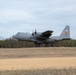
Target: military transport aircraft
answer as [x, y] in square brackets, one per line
[44, 37]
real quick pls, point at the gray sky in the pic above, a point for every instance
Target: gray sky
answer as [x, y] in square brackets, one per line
[28, 15]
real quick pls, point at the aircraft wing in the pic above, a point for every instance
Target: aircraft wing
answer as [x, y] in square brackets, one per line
[45, 35]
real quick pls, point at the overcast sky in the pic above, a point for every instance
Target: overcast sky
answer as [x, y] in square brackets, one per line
[28, 15]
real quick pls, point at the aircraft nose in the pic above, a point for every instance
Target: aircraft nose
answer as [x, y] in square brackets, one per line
[14, 36]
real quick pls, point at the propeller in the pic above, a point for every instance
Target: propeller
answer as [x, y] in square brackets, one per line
[35, 31]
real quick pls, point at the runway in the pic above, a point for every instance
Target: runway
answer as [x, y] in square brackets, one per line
[37, 63]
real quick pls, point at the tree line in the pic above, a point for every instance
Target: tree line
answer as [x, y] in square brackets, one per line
[22, 44]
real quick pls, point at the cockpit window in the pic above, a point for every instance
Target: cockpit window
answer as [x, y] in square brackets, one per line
[18, 33]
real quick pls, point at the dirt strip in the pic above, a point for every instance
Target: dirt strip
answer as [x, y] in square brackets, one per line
[37, 63]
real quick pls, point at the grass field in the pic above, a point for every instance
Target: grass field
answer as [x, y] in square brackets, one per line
[69, 71]
[37, 52]
[35, 61]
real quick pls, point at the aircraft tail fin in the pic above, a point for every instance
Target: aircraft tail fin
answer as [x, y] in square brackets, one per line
[65, 33]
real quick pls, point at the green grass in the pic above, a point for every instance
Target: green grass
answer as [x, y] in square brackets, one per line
[69, 71]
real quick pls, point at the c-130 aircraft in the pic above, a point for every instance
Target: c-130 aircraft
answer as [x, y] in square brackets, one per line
[44, 37]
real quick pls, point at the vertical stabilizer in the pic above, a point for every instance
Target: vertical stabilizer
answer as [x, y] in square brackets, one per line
[65, 33]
